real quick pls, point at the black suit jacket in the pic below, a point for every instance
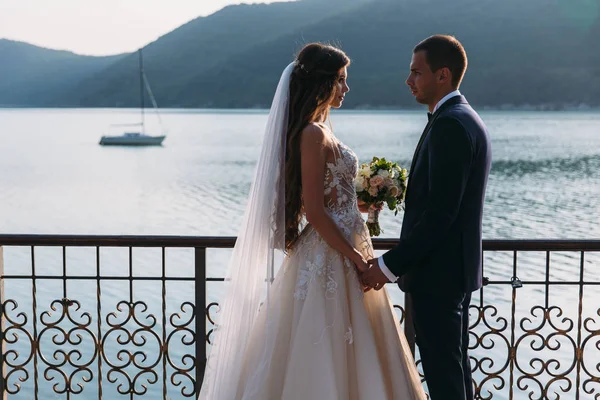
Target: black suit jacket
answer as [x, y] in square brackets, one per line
[440, 242]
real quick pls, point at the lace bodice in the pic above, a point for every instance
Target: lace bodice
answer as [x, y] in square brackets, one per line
[340, 173]
[340, 194]
[319, 259]
[340, 199]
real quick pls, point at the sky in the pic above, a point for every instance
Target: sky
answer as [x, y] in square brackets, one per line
[100, 27]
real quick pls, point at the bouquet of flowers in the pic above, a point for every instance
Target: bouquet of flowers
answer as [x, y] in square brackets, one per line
[380, 182]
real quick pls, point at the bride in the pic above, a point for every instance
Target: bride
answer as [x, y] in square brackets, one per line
[308, 331]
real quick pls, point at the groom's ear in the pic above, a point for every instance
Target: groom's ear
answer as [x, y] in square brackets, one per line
[445, 75]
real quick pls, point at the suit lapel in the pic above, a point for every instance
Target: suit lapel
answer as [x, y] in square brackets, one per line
[421, 139]
[448, 103]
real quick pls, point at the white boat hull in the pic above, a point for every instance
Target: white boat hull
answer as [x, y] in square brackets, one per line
[132, 140]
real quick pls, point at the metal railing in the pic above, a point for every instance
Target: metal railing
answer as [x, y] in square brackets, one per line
[66, 340]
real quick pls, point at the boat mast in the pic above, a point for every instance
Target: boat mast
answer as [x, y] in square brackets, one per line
[142, 88]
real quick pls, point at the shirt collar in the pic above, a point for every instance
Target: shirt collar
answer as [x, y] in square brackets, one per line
[446, 98]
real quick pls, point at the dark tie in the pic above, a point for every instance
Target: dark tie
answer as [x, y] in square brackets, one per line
[429, 115]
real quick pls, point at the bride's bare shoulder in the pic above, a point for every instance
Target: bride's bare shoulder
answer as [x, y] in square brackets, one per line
[316, 133]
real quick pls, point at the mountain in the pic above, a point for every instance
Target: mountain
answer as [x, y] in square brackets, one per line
[34, 76]
[535, 57]
[537, 53]
[204, 43]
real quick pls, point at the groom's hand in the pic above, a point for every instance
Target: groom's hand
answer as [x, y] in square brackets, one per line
[374, 277]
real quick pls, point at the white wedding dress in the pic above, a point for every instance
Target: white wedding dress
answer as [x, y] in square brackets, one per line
[328, 339]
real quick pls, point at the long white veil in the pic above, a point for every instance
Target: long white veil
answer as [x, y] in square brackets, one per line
[258, 249]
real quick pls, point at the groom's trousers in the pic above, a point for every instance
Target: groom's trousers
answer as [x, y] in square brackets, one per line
[441, 322]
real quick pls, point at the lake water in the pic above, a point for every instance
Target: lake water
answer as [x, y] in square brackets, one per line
[55, 178]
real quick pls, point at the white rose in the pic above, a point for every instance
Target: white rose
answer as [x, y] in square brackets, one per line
[358, 184]
[383, 173]
[388, 182]
[394, 191]
[365, 171]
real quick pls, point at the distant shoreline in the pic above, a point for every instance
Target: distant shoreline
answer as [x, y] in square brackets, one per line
[365, 108]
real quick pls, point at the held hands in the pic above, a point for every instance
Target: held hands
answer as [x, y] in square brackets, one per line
[369, 273]
[373, 277]
[361, 265]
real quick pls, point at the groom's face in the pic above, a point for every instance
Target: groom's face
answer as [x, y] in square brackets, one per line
[421, 80]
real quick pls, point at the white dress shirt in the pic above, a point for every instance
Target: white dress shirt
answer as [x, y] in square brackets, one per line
[386, 271]
[445, 99]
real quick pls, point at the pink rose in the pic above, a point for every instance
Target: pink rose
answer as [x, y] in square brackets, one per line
[377, 180]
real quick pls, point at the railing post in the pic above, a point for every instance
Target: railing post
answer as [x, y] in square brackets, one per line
[3, 393]
[200, 297]
[409, 328]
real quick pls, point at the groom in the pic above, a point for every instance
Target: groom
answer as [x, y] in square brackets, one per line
[438, 258]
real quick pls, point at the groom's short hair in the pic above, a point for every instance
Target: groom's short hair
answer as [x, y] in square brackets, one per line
[445, 51]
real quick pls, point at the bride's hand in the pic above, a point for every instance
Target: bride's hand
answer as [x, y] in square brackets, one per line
[361, 265]
[360, 262]
[364, 207]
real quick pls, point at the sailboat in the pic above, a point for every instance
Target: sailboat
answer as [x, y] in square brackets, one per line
[138, 138]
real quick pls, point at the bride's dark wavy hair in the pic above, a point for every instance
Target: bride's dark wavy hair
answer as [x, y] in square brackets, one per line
[312, 88]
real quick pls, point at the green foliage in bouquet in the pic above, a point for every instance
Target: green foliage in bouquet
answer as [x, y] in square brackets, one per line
[381, 182]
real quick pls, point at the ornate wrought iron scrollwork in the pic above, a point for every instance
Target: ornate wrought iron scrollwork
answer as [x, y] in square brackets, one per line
[544, 354]
[211, 319]
[132, 370]
[590, 354]
[488, 330]
[15, 331]
[185, 335]
[64, 341]
[546, 331]
[402, 313]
